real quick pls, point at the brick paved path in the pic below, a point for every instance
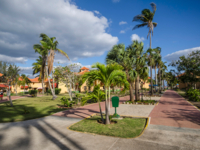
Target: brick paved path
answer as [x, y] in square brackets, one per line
[174, 110]
[87, 110]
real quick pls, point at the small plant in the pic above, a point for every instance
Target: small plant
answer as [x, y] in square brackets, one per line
[66, 102]
[57, 91]
[193, 94]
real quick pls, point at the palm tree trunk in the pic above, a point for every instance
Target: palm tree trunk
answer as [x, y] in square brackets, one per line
[159, 80]
[151, 80]
[11, 104]
[107, 110]
[156, 76]
[131, 92]
[53, 81]
[50, 85]
[101, 111]
[137, 96]
[109, 99]
[42, 86]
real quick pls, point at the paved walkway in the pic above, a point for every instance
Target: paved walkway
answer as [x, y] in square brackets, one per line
[174, 110]
[87, 110]
[6, 99]
[51, 133]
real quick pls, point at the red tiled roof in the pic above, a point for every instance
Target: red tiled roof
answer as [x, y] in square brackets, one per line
[3, 85]
[84, 68]
[36, 80]
[1, 74]
[26, 87]
[83, 72]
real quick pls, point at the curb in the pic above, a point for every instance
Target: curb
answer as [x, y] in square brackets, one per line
[146, 125]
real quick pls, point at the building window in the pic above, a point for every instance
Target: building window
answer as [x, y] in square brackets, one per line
[85, 88]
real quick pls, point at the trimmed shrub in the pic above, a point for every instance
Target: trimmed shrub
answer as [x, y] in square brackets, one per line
[57, 91]
[33, 93]
[193, 94]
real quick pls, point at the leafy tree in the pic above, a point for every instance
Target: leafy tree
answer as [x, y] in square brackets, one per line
[105, 74]
[10, 73]
[146, 19]
[190, 65]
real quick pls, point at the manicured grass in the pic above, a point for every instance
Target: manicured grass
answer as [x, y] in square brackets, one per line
[125, 128]
[37, 107]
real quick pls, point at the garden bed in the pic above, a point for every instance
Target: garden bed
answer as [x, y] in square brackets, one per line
[142, 102]
[125, 128]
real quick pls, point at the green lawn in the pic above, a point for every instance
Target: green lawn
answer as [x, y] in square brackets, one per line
[37, 106]
[125, 128]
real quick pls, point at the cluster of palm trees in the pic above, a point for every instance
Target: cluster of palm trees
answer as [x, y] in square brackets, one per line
[44, 64]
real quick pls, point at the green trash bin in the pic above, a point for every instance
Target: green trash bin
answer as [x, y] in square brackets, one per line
[115, 103]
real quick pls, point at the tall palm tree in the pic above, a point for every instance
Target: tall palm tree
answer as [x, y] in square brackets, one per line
[38, 68]
[118, 54]
[151, 57]
[146, 19]
[157, 61]
[49, 45]
[105, 74]
[139, 64]
[43, 55]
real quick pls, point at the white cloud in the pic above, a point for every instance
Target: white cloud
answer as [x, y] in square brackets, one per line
[175, 56]
[135, 37]
[80, 33]
[97, 12]
[12, 59]
[122, 22]
[26, 70]
[122, 31]
[115, 1]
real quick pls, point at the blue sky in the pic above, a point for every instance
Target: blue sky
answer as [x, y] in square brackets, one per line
[87, 30]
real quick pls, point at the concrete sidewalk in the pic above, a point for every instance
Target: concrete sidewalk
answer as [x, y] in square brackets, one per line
[173, 110]
[51, 133]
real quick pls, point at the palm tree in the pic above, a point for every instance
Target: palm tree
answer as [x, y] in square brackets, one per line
[49, 47]
[38, 68]
[43, 55]
[97, 95]
[157, 62]
[118, 54]
[105, 74]
[147, 20]
[138, 64]
[151, 57]
[25, 81]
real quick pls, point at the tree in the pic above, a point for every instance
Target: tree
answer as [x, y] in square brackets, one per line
[10, 73]
[98, 95]
[139, 65]
[106, 75]
[49, 47]
[146, 19]
[118, 54]
[38, 68]
[190, 67]
[43, 56]
[151, 57]
[24, 81]
[66, 75]
[158, 61]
